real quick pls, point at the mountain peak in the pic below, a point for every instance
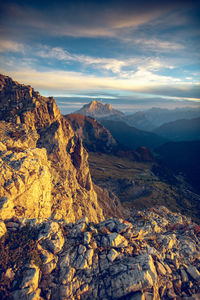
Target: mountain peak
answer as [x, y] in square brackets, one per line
[97, 109]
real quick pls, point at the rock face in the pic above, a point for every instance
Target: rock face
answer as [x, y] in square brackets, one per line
[95, 137]
[97, 110]
[154, 255]
[43, 166]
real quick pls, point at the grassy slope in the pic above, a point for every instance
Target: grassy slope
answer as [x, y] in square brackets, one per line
[106, 168]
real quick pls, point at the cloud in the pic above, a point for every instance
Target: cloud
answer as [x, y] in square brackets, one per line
[63, 82]
[84, 18]
[11, 46]
[158, 45]
[116, 65]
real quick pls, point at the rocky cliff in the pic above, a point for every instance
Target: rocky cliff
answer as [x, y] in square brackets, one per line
[44, 168]
[154, 255]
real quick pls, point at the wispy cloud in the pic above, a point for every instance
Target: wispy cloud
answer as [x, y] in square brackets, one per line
[62, 82]
[110, 64]
[88, 18]
[11, 46]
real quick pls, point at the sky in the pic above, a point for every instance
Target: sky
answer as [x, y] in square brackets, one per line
[144, 52]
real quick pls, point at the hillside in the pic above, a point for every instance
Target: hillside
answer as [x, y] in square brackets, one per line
[95, 137]
[132, 137]
[180, 130]
[182, 157]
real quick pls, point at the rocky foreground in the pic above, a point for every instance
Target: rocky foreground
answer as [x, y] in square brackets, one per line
[154, 255]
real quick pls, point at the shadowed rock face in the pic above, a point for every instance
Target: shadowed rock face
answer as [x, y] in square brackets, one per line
[33, 132]
[95, 137]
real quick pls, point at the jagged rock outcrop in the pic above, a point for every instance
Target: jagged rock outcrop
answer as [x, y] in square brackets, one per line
[44, 167]
[154, 255]
[97, 110]
[95, 137]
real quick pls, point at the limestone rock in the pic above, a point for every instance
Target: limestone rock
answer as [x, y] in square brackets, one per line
[44, 168]
[3, 228]
[194, 273]
[95, 261]
[116, 240]
[112, 255]
[30, 279]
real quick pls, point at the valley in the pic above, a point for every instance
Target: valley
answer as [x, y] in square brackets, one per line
[137, 186]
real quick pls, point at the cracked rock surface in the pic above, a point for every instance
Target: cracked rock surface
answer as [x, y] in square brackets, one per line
[153, 255]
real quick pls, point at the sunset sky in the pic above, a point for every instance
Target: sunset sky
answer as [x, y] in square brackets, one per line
[106, 49]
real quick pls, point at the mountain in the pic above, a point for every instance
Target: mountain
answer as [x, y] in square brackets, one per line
[97, 110]
[140, 121]
[55, 242]
[95, 137]
[180, 130]
[44, 170]
[159, 116]
[182, 157]
[132, 137]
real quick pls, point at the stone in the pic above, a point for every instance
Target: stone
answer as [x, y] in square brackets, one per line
[30, 279]
[112, 255]
[3, 228]
[51, 237]
[160, 269]
[89, 255]
[184, 276]
[193, 272]
[171, 294]
[116, 240]
[122, 226]
[24, 294]
[67, 275]
[10, 273]
[81, 249]
[137, 296]
[87, 238]
[49, 267]
[141, 275]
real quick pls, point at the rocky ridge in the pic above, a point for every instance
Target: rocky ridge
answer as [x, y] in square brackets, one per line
[94, 136]
[154, 255]
[43, 166]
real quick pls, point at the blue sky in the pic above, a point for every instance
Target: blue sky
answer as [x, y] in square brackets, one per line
[135, 50]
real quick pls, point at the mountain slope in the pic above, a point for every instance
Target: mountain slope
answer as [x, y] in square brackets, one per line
[39, 149]
[182, 157]
[98, 110]
[140, 121]
[132, 137]
[95, 137]
[180, 130]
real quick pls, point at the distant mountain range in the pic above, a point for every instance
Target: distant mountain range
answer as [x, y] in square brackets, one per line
[132, 137]
[148, 120]
[180, 130]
